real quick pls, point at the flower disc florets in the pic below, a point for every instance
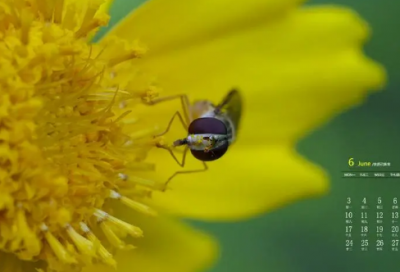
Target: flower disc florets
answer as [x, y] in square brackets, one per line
[64, 144]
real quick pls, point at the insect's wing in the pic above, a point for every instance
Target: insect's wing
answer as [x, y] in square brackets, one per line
[232, 107]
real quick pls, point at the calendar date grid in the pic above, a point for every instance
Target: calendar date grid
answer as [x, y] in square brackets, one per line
[372, 224]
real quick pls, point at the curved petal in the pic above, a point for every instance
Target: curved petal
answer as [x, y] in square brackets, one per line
[183, 23]
[251, 180]
[296, 68]
[295, 71]
[168, 245]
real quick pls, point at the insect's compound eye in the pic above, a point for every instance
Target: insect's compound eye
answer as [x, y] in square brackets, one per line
[207, 125]
[211, 154]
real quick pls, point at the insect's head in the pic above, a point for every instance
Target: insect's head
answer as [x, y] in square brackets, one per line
[211, 152]
[208, 139]
[207, 125]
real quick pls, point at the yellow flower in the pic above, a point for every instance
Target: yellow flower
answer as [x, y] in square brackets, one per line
[75, 136]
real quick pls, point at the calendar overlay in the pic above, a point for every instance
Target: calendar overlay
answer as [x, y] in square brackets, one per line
[372, 224]
[371, 174]
[369, 169]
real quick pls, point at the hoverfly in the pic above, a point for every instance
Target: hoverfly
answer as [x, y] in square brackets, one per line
[211, 128]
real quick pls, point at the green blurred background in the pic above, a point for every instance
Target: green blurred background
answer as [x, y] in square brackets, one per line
[309, 236]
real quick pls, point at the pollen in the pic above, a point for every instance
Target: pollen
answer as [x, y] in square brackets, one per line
[70, 141]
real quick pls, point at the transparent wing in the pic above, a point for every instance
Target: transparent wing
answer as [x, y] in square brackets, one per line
[231, 106]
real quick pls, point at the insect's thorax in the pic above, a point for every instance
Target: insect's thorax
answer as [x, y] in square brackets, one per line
[200, 108]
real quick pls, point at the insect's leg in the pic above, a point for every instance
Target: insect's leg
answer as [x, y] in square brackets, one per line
[186, 109]
[184, 101]
[180, 163]
[171, 121]
[205, 168]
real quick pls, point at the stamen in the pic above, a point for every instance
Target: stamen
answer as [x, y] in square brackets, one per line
[150, 94]
[114, 195]
[42, 6]
[123, 115]
[159, 141]
[95, 23]
[144, 133]
[123, 176]
[137, 192]
[141, 166]
[84, 227]
[123, 58]
[68, 21]
[142, 181]
[112, 237]
[128, 143]
[130, 121]
[92, 7]
[101, 215]
[26, 22]
[58, 10]
[49, 9]
[32, 243]
[56, 246]
[105, 256]
[128, 228]
[69, 134]
[84, 246]
[135, 52]
[122, 104]
[133, 204]
[86, 230]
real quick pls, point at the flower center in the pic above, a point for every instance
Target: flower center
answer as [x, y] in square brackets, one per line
[66, 142]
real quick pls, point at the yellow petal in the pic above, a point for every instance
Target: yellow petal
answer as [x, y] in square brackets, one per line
[248, 181]
[182, 23]
[167, 245]
[295, 70]
[296, 67]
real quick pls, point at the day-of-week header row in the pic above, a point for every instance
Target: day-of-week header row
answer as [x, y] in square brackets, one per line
[371, 174]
